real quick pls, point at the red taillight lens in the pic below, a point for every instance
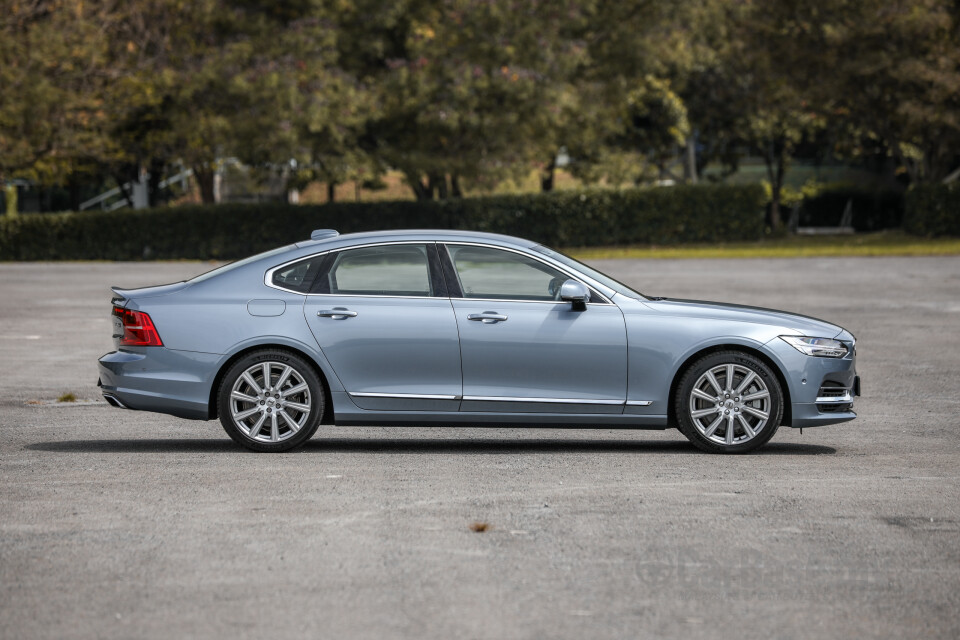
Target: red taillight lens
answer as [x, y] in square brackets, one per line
[138, 329]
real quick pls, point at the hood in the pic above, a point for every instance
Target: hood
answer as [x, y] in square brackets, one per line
[803, 325]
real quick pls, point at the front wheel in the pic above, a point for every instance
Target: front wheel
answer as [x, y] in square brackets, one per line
[728, 402]
[271, 401]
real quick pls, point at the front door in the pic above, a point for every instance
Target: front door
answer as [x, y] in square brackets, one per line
[383, 321]
[522, 349]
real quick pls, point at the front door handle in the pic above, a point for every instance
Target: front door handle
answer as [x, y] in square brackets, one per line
[339, 312]
[488, 317]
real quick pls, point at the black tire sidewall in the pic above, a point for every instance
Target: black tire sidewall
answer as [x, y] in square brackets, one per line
[681, 406]
[304, 369]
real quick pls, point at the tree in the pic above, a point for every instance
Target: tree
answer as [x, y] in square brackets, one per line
[897, 70]
[54, 102]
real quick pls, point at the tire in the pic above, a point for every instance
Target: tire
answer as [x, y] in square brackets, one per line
[278, 416]
[714, 416]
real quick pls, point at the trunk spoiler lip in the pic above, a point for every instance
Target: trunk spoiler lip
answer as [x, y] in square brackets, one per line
[124, 296]
[119, 298]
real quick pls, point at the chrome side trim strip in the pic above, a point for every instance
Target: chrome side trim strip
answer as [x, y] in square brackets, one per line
[544, 400]
[403, 396]
[844, 399]
[428, 396]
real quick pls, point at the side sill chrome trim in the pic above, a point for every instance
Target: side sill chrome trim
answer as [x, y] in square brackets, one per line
[544, 400]
[844, 399]
[428, 396]
[403, 396]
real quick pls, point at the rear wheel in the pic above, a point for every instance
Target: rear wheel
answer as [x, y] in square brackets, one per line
[729, 402]
[270, 400]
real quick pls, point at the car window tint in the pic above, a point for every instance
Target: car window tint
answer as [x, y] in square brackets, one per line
[299, 275]
[388, 270]
[504, 275]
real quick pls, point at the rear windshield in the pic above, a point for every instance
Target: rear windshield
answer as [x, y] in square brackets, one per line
[230, 266]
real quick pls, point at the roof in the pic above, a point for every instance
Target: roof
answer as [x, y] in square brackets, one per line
[420, 234]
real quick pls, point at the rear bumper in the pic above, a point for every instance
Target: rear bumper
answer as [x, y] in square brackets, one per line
[159, 379]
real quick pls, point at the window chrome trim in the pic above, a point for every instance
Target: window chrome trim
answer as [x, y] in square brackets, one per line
[557, 267]
[402, 396]
[268, 276]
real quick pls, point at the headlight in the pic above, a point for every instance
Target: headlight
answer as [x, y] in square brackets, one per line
[822, 347]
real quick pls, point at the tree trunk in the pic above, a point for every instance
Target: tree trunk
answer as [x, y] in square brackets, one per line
[127, 195]
[205, 177]
[73, 187]
[10, 196]
[455, 189]
[153, 182]
[437, 185]
[331, 191]
[419, 189]
[547, 176]
[691, 161]
[775, 160]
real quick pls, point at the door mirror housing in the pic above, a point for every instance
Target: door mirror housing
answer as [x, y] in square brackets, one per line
[575, 292]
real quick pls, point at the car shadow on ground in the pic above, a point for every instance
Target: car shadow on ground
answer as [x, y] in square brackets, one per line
[419, 445]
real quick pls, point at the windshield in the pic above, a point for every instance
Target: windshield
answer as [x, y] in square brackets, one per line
[230, 266]
[600, 277]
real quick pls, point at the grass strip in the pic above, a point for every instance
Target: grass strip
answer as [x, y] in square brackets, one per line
[882, 243]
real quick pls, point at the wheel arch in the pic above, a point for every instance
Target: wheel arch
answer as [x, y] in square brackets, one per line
[729, 346]
[328, 414]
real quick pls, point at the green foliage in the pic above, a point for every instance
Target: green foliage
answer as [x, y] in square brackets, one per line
[467, 93]
[586, 218]
[933, 210]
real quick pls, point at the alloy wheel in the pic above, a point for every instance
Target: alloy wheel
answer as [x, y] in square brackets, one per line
[270, 402]
[730, 404]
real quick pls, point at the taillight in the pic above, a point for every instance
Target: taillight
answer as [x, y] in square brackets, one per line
[138, 329]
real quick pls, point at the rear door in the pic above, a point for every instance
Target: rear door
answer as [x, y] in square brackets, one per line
[382, 317]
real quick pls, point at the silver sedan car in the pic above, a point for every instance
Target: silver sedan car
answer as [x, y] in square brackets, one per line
[456, 328]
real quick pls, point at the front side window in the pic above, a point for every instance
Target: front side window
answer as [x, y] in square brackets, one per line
[386, 270]
[503, 275]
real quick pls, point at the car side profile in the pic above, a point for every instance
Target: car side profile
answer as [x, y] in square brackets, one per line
[413, 327]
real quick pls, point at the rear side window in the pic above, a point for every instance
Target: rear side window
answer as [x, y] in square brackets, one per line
[298, 276]
[386, 270]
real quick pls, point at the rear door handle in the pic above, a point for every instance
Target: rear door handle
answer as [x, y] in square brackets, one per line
[488, 317]
[337, 313]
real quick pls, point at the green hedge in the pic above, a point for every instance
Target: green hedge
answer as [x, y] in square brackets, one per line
[670, 215]
[933, 210]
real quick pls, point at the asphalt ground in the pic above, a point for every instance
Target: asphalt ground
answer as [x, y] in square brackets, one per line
[117, 524]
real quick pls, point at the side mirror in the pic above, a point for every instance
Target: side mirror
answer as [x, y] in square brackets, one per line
[575, 292]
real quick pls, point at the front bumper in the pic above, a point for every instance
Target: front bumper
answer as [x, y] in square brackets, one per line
[159, 379]
[822, 390]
